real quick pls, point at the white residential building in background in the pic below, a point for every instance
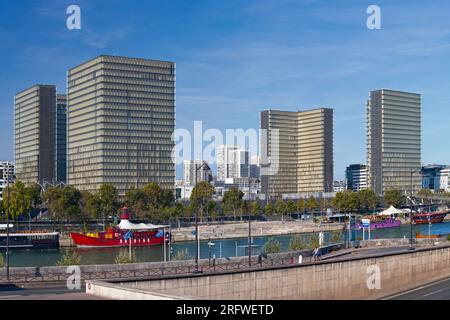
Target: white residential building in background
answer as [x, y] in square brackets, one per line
[356, 177]
[232, 162]
[190, 171]
[6, 173]
[444, 180]
[339, 186]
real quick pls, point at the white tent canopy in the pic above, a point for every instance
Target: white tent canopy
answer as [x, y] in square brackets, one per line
[391, 211]
[127, 225]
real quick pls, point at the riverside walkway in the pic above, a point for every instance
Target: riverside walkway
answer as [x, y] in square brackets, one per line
[259, 228]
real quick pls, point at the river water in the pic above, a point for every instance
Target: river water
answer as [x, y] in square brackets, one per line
[221, 247]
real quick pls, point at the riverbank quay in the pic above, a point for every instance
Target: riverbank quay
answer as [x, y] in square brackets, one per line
[258, 228]
[233, 230]
[59, 274]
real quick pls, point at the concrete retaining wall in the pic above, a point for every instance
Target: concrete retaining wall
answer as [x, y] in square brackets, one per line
[44, 272]
[114, 292]
[346, 279]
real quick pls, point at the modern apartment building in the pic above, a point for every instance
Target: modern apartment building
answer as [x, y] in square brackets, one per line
[6, 173]
[121, 117]
[445, 179]
[254, 167]
[232, 162]
[431, 176]
[194, 172]
[61, 138]
[339, 186]
[297, 153]
[394, 140]
[356, 177]
[34, 134]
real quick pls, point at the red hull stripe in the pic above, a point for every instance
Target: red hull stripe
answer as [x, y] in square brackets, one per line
[85, 241]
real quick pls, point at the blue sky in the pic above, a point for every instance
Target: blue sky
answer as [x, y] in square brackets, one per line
[236, 58]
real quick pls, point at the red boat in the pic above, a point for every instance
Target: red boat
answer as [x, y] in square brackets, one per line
[138, 234]
[430, 217]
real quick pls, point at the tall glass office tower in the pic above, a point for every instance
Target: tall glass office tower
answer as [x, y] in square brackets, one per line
[121, 116]
[303, 144]
[394, 140]
[34, 134]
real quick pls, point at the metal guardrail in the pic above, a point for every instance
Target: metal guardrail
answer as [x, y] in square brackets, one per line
[155, 272]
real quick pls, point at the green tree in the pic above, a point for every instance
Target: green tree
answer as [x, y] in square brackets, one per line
[368, 199]
[109, 201]
[64, 203]
[255, 208]
[201, 194]
[268, 209]
[177, 212]
[345, 201]
[311, 204]
[232, 200]
[281, 208]
[272, 246]
[301, 205]
[33, 193]
[90, 205]
[167, 198]
[394, 197]
[137, 201]
[354, 202]
[18, 199]
[154, 194]
[211, 209]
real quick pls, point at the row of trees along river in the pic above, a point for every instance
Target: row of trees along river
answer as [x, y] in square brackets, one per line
[152, 203]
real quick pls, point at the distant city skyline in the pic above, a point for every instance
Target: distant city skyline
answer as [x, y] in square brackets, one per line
[235, 59]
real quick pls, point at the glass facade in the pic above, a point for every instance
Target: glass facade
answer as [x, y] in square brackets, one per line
[304, 147]
[34, 138]
[121, 117]
[61, 138]
[394, 140]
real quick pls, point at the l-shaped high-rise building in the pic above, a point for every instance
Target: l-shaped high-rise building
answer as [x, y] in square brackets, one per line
[34, 134]
[394, 140]
[40, 135]
[297, 153]
[121, 116]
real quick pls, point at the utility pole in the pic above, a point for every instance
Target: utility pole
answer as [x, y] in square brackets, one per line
[249, 241]
[411, 211]
[197, 251]
[7, 221]
[197, 238]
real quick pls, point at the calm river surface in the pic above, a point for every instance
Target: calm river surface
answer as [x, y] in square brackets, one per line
[221, 248]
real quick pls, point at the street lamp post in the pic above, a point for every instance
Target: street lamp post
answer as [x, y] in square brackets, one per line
[249, 241]
[7, 221]
[411, 211]
[197, 238]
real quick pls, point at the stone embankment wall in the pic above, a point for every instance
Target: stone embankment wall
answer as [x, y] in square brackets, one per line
[350, 278]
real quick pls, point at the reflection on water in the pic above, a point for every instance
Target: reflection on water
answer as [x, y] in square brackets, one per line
[221, 248]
